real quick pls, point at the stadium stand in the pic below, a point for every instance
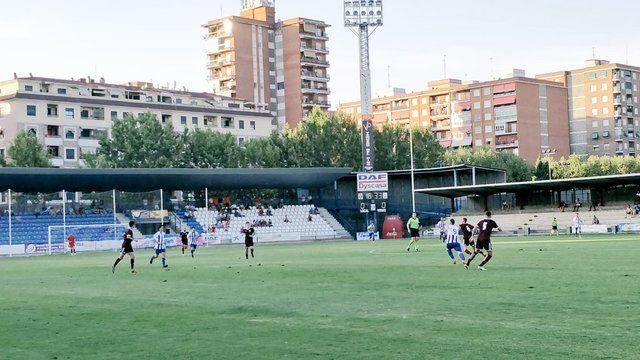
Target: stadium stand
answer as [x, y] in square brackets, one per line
[28, 228]
[318, 228]
[540, 221]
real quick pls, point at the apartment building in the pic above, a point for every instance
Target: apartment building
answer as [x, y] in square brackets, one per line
[521, 115]
[69, 116]
[280, 66]
[603, 108]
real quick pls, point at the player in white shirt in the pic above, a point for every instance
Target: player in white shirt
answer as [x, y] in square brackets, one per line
[577, 225]
[442, 226]
[193, 240]
[160, 247]
[453, 242]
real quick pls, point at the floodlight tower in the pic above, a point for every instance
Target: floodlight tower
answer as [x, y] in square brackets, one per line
[360, 15]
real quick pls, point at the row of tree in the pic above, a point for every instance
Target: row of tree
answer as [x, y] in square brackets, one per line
[321, 141]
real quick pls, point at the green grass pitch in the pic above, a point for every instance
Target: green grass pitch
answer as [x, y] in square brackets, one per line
[541, 298]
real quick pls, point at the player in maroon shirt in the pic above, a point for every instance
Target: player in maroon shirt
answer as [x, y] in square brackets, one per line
[484, 229]
[467, 235]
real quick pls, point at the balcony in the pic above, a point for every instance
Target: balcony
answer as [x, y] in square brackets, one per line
[88, 142]
[441, 126]
[617, 101]
[305, 47]
[307, 103]
[53, 141]
[617, 89]
[215, 64]
[310, 75]
[319, 35]
[315, 90]
[221, 77]
[221, 49]
[306, 60]
[506, 144]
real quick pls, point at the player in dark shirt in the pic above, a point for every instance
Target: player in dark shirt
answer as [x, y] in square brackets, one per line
[467, 235]
[248, 232]
[184, 238]
[127, 248]
[484, 229]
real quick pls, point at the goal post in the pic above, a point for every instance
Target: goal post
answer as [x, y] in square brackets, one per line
[87, 237]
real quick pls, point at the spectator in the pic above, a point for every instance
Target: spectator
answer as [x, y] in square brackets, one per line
[310, 199]
[637, 201]
[310, 218]
[261, 211]
[595, 221]
[269, 212]
[270, 224]
[286, 219]
[304, 200]
[594, 205]
[576, 207]
[628, 212]
[562, 206]
[554, 227]
[505, 206]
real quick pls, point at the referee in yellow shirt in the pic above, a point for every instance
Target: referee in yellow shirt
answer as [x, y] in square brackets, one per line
[413, 226]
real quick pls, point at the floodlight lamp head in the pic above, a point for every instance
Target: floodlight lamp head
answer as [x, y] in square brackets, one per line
[362, 12]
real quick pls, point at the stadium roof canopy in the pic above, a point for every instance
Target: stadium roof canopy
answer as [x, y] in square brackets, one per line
[141, 180]
[531, 186]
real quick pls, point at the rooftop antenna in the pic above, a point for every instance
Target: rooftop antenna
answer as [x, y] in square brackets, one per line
[444, 62]
[389, 76]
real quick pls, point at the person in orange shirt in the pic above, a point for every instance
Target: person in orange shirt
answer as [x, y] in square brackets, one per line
[72, 243]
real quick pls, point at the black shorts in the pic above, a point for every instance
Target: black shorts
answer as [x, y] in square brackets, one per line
[554, 228]
[469, 242]
[185, 243]
[248, 243]
[484, 245]
[415, 232]
[194, 246]
[127, 250]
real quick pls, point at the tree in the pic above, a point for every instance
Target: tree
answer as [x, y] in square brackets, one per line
[27, 151]
[517, 168]
[210, 149]
[262, 153]
[140, 142]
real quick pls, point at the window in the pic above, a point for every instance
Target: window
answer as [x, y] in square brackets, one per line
[606, 134]
[596, 147]
[605, 99]
[52, 130]
[487, 104]
[52, 110]
[594, 124]
[70, 113]
[605, 123]
[425, 112]
[594, 88]
[414, 102]
[488, 129]
[241, 124]
[602, 74]
[234, 106]
[252, 125]
[476, 92]
[478, 143]
[62, 91]
[69, 135]
[487, 117]
[486, 91]
[595, 136]
[126, 115]
[604, 86]
[194, 120]
[424, 101]
[91, 113]
[53, 151]
[592, 76]
[114, 115]
[606, 146]
[227, 122]
[414, 113]
[476, 105]
[183, 120]
[477, 130]
[178, 101]
[115, 96]
[605, 111]
[594, 112]
[28, 88]
[166, 118]
[240, 141]
[594, 100]
[31, 110]
[628, 86]
[477, 117]
[70, 153]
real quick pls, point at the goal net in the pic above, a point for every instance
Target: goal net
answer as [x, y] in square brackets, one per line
[87, 237]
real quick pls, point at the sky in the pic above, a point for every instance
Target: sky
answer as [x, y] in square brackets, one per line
[162, 41]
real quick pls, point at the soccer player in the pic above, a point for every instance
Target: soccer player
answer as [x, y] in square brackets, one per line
[442, 226]
[554, 227]
[248, 232]
[372, 232]
[193, 237]
[413, 226]
[184, 238]
[72, 244]
[484, 229]
[467, 235]
[453, 243]
[160, 247]
[127, 248]
[577, 225]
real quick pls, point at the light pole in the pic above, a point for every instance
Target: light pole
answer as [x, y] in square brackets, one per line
[547, 154]
[360, 15]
